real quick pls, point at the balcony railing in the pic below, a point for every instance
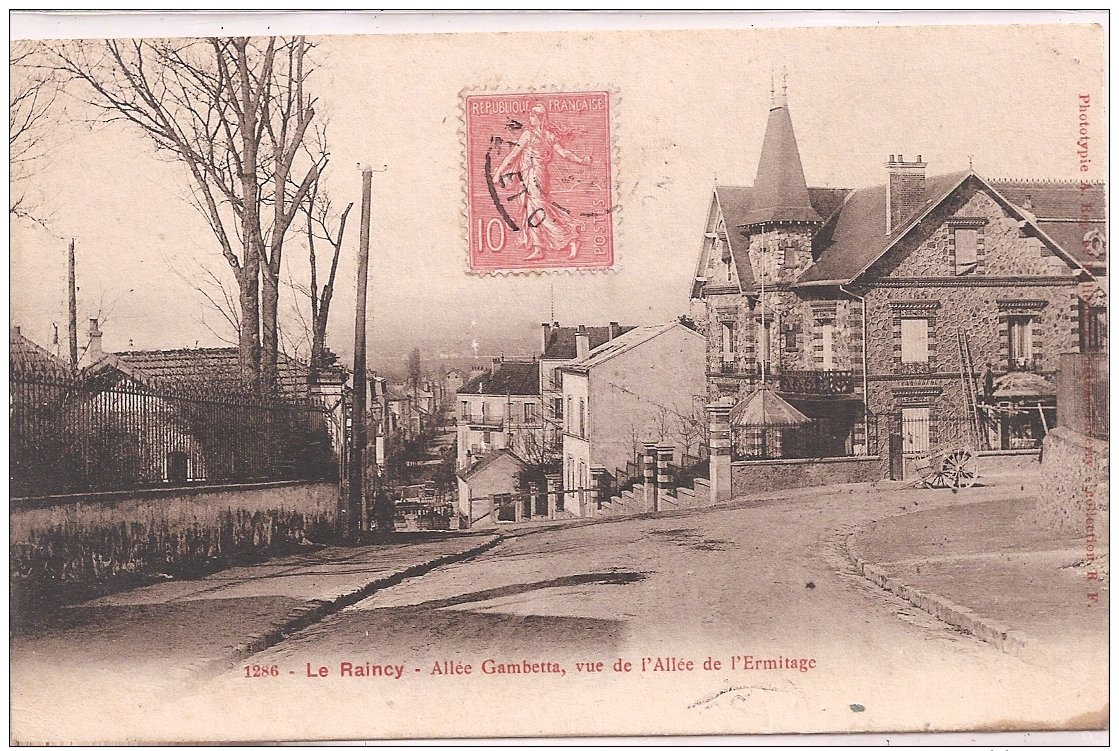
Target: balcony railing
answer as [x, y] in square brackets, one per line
[482, 421]
[818, 382]
[728, 367]
[1022, 365]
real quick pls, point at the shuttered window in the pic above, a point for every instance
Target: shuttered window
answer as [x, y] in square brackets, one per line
[966, 244]
[914, 340]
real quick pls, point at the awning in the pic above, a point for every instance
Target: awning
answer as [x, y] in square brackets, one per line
[1022, 385]
[765, 409]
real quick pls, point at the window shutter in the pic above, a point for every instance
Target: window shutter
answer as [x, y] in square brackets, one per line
[914, 340]
[966, 244]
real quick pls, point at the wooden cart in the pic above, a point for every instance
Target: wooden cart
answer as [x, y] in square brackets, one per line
[947, 467]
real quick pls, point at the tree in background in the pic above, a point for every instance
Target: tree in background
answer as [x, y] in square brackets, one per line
[322, 223]
[32, 93]
[236, 113]
[415, 370]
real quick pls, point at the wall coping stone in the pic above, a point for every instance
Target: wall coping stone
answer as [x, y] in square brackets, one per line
[113, 496]
[812, 460]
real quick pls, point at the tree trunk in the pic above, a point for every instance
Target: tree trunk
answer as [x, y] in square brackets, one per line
[270, 352]
[248, 341]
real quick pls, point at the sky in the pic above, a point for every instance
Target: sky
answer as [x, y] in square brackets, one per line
[689, 109]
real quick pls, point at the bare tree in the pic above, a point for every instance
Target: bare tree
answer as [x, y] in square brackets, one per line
[236, 113]
[31, 95]
[321, 224]
[690, 427]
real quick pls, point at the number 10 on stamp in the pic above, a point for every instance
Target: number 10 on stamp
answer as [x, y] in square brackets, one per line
[540, 181]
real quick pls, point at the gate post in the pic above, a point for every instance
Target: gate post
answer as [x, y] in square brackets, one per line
[664, 476]
[718, 415]
[650, 465]
[598, 482]
[896, 448]
[554, 485]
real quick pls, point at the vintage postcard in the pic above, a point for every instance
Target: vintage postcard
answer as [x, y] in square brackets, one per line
[558, 380]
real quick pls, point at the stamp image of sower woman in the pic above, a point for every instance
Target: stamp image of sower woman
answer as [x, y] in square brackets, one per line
[545, 225]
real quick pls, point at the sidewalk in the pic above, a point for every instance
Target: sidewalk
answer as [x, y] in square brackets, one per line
[195, 629]
[985, 567]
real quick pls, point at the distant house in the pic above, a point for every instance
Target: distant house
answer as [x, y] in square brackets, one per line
[499, 409]
[454, 381]
[561, 345]
[28, 357]
[96, 428]
[645, 385]
[486, 489]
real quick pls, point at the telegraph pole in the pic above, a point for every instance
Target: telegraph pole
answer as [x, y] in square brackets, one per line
[354, 522]
[72, 289]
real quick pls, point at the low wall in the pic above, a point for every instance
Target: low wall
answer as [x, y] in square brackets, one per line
[1072, 486]
[782, 474]
[144, 533]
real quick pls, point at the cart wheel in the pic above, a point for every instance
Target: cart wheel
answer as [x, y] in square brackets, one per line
[960, 469]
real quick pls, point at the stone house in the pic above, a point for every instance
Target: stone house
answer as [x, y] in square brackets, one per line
[499, 409]
[907, 301]
[643, 386]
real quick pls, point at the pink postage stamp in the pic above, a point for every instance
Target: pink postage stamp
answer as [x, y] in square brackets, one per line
[539, 181]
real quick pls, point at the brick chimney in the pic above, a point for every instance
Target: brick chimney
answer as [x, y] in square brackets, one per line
[495, 366]
[905, 190]
[547, 334]
[582, 342]
[615, 329]
[95, 351]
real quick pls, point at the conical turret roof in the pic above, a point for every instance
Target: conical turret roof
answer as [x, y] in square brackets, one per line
[781, 194]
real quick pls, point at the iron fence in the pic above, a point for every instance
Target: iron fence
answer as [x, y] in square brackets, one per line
[1082, 394]
[72, 434]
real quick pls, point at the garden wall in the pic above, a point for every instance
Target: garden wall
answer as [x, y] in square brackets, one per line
[782, 474]
[86, 539]
[1073, 485]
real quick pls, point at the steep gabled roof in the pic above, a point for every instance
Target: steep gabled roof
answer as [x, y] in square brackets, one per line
[561, 340]
[512, 377]
[856, 236]
[27, 357]
[781, 194]
[1066, 210]
[737, 204]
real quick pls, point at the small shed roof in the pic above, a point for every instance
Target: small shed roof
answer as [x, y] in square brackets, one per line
[765, 409]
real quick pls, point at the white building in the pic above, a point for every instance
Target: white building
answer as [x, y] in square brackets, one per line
[645, 385]
[500, 408]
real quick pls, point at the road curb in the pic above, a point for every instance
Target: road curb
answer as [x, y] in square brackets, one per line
[1005, 639]
[313, 611]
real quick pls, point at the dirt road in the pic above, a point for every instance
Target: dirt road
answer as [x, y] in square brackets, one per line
[742, 620]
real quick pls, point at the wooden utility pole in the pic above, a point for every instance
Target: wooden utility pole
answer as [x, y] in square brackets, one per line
[73, 302]
[354, 522]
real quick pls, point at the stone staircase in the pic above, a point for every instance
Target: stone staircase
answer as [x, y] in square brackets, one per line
[633, 501]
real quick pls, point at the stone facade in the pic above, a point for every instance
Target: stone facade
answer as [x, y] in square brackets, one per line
[1014, 276]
